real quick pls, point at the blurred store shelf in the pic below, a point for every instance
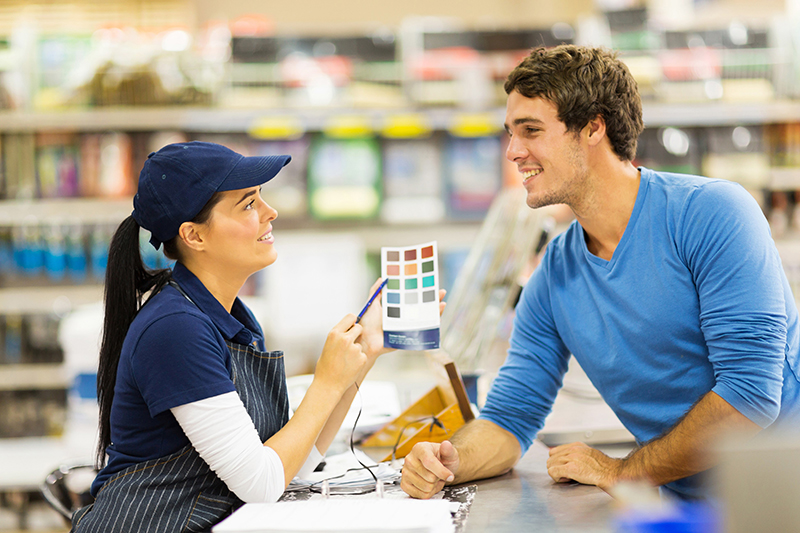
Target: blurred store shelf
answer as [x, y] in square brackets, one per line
[42, 210]
[208, 119]
[28, 377]
[48, 299]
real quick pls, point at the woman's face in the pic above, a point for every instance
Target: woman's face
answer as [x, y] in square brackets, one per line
[238, 235]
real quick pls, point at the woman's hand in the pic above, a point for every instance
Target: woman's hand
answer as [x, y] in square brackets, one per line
[371, 338]
[343, 358]
[372, 322]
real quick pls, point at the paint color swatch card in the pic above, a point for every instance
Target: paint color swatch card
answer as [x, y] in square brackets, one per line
[410, 300]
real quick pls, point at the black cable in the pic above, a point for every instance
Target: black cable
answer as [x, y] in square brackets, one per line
[434, 422]
[353, 451]
[363, 490]
[352, 432]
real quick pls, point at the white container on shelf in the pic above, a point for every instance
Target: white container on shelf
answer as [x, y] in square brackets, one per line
[79, 335]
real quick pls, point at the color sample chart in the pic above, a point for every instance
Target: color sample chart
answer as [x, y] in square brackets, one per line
[410, 300]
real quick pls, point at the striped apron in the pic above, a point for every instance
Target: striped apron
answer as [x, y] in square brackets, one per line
[180, 492]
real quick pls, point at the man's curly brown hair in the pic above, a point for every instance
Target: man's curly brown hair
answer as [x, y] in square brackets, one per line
[584, 83]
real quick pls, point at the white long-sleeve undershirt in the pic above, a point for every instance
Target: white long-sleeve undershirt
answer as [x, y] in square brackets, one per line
[223, 434]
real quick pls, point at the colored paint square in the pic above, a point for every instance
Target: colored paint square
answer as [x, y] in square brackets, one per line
[427, 252]
[427, 281]
[393, 297]
[412, 298]
[411, 269]
[427, 266]
[393, 284]
[411, 283]
[392, 270]
[393, 256]
[411, 255]
[393, 312]
[428, 296]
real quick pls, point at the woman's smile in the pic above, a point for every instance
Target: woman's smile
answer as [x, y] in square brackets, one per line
[267, 237]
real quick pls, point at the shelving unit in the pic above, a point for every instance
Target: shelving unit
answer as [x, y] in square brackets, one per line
[218, 120]
[268, 124]
[720, 114]
[28, 377]
[293, 122]
[49, 299]
[48, 210]
[784, 179]
[97, 211]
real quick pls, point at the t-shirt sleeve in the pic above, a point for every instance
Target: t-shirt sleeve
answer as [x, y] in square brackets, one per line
[726, 244]
[522, 395]
[179, 359]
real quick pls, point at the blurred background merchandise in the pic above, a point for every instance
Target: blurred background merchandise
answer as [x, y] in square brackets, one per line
[176, 52]
[393, 116]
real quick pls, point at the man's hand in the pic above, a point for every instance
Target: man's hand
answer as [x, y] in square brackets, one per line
[682, 451]
[428, 467]
[584, 464]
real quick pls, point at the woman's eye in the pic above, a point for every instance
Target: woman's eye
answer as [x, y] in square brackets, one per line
[250, 205]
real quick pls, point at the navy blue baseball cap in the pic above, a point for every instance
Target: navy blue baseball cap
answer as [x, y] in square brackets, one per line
[179, 179]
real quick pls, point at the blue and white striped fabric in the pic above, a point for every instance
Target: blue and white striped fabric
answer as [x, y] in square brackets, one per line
[179, 492]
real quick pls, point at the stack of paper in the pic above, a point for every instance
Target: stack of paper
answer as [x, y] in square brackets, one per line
[358, 515]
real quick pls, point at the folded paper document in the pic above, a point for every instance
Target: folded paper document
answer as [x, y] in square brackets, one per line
[356, 515]
[346, 475]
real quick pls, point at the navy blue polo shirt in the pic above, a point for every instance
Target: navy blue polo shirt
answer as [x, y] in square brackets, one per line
[174, 354]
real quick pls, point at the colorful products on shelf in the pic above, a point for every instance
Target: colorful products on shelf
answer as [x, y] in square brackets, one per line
[473, 177]
[344, 178]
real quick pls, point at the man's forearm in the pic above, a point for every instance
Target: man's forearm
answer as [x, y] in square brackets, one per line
[684, 450]
[484, 450]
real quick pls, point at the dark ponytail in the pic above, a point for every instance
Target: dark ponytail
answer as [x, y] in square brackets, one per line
[127, 282]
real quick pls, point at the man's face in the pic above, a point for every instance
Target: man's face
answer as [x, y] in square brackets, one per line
[550, 159]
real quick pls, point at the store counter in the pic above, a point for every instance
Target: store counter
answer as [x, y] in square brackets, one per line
[527, 499]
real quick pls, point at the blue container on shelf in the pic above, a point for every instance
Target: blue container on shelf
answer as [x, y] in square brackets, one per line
[7, 263]
[98, 251]
[55, 253]
[28, 249]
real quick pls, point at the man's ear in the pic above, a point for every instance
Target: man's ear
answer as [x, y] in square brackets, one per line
[596, 130]
[192, 236]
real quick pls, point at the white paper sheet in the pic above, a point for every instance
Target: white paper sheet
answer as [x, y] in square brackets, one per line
[353, 515]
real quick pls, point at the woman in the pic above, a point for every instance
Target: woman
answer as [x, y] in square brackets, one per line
[194, 414]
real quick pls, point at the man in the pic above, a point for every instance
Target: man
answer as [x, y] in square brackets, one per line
[667, 289]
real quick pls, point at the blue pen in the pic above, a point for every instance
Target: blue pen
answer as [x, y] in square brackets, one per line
[377, 292]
